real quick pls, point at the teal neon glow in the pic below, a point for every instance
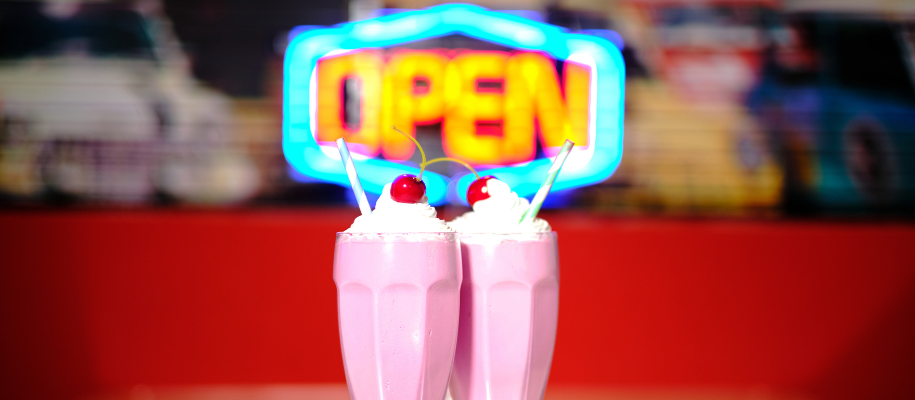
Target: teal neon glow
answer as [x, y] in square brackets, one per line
[586, 165]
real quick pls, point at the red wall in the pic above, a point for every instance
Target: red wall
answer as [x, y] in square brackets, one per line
[99, 300]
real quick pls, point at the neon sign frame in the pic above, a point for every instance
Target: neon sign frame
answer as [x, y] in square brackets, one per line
[586, 165]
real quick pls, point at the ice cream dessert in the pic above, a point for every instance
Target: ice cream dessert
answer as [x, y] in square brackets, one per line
[496, 209]
[398, 275]
[509, 297]
[391, 215]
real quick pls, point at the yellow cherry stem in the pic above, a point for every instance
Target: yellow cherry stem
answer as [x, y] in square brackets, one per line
[435, 160]
[422, 166]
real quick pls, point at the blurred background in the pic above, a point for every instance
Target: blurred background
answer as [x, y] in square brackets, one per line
[755, 242]
[746, 108]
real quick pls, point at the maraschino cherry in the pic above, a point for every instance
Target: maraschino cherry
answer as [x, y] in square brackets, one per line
[408, 188]
[478, 190]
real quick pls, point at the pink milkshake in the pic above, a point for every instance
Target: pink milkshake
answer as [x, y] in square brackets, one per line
[509, 301]
[398, 279]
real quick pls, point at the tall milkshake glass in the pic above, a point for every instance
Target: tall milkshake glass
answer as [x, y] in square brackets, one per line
[509, 310]
[509, 298]
[397, 300]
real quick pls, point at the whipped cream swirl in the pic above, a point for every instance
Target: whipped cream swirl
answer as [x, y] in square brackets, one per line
[392, 216]
[500, 213]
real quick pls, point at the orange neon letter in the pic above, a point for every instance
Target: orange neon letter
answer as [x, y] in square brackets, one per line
[365, 67]
[413, 94]
[478, 95]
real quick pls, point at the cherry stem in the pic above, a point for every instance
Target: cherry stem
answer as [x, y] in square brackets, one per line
[422, 166]
[435, 160]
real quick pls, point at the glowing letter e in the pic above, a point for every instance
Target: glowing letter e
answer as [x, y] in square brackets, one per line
[475, 92]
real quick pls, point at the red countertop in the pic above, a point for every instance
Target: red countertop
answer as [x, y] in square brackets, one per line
[101, 300]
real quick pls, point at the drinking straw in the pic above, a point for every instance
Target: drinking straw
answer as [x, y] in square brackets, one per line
[548, 182]
[353, 178]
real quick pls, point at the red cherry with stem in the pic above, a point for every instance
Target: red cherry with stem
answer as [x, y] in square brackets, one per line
[408, 189]
[478, 190]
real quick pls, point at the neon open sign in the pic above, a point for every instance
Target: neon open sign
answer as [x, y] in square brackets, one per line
[494, 106]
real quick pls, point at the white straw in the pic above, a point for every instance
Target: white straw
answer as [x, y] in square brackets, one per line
[353, 178]
[548, 181]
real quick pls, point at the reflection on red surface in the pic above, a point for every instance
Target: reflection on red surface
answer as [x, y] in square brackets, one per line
[93, 301]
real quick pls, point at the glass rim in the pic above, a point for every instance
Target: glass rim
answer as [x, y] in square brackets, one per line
[550, 233]
[395, 233]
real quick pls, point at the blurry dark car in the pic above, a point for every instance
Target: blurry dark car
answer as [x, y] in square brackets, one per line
[838, 102]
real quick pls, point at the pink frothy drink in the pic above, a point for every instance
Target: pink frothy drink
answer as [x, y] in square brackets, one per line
[509, 309]
[398, 299]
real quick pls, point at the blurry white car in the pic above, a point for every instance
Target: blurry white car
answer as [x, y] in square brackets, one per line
[97, 103]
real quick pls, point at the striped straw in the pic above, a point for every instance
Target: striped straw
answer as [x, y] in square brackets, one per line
[353, 178]
[548, 182]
